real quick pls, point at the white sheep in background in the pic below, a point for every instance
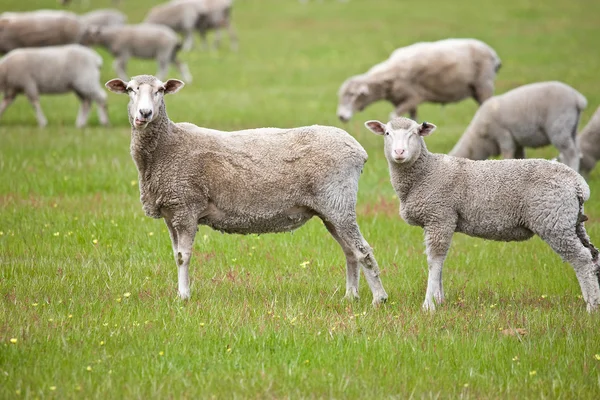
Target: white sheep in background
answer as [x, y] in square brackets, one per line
[533, 115]
[103, 17]
[50, 70]
[589, 143]
[148, 41]
[39, 28]
[443, 72]
[179, 16]
[214, 15]
[504, 200]
[253, 181]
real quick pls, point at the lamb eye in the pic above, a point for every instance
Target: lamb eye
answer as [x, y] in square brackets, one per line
[387, 133]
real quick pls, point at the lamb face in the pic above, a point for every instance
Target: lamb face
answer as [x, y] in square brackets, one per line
[353, 97]
[145, 97]
[402, 138]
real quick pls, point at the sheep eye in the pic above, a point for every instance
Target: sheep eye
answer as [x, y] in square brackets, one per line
[387, 133]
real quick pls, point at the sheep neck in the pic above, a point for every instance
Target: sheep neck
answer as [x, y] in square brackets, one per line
[145, 141]
[406, 176]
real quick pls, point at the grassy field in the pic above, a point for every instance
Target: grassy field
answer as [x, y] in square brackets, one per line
[88, 305]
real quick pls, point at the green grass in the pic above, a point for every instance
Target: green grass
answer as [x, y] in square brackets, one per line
[88, 284]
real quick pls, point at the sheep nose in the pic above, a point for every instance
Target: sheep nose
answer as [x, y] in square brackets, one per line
[399, 152]
[145, 113]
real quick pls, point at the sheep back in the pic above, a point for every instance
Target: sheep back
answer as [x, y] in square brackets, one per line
[505, 200]
[53, 69]
[39, 30]
[254, 177]
[443, 71]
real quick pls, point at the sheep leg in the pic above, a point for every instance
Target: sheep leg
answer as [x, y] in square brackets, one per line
[84, 112]
[183, 69]
[103, 113]
[573, 250]
[163, 69]
[7, 101]
[437, 242]
[119, 66]
[357, 252]
[482, 92]
[409, 105]
[569, 152]
[202, 33]
[182, 240]
[520, 152]
[188, 40]
[218, 37]
[233, 39]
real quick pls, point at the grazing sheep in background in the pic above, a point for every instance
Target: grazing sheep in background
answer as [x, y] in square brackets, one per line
[504, 200]
[180, 17]
[533, 115]
[144, 41]
[39, 28]
[214, 15]
[443, 72]
[589, 144]
[51, 70]
[253, 181]
[103, 17]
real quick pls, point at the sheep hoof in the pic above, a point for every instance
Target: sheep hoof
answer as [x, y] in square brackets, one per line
[428, 307]
[184, 295]
[377, 301]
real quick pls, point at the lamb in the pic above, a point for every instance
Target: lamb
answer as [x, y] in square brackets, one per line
[54, 69]
[103, 17]
[252, 181]
[38, 29]
[141, 40]
[443, 72]
[589, 142]
[503, 200]
[532, 115]
[180, 17]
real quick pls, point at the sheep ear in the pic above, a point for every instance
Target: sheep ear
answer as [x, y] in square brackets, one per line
[116, 85]
[376, 127]
[425, 129]
[172, 86]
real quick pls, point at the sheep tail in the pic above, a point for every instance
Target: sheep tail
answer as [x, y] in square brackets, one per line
[582, 235]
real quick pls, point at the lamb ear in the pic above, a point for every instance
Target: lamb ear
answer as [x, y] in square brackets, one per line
[425, 129]
[376, 127]
[116, 85]
[172, 86]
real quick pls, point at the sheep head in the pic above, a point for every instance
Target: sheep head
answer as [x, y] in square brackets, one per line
[402, 137]
[145, 97]
[354, 95]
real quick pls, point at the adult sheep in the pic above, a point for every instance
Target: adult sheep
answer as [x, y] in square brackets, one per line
[533, 115]
[181, 17]
[51, 70]
[589, 143]
[38, 29]
[149, 41]
[103, 17]
[504, 200]
[443, 72]
[253, 181]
